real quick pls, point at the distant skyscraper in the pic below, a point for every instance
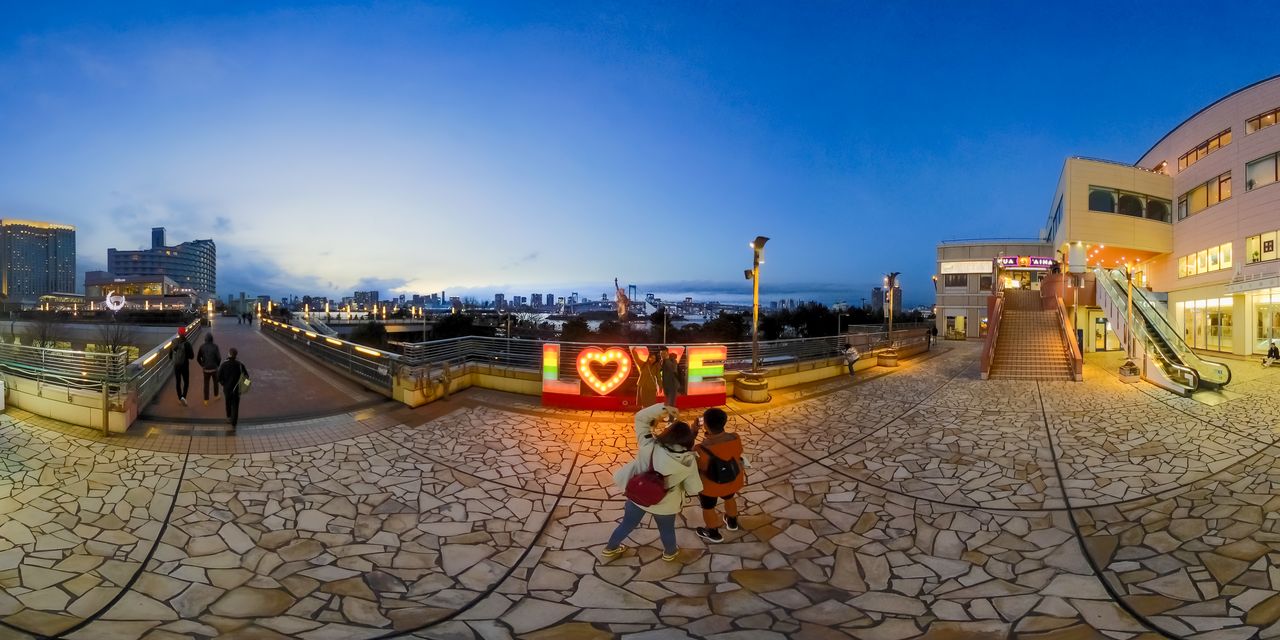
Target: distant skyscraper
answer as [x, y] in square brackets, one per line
[36, 258]
[550, 299]
[877, 300]
[537, 299]
[499, 301]
[193, 265]
[366, 298]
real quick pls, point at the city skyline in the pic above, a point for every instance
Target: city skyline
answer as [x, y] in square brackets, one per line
[495, 148]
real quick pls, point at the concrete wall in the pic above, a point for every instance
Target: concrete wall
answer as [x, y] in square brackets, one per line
[82, 408]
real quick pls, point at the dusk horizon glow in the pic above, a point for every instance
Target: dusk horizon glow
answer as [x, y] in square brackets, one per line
[487, 147]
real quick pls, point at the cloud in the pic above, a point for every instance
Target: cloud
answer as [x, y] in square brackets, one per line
[528, 258]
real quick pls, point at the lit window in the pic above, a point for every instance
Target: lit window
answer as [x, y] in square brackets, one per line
[1203, 149]
[1252, 249]
[1261, 172]
[1262, 121]
[1224, 253]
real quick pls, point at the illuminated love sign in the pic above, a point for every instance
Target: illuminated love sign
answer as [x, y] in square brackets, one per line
[594, 355]
[703, 363]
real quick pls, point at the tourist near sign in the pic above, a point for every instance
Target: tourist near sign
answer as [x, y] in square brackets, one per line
[606, 377]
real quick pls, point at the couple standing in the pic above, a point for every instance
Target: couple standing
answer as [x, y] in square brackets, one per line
[661, 366]
[668, 468]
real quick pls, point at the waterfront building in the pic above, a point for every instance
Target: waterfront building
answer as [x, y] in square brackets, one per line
[192, 265]
[36, 258]
[140, 292]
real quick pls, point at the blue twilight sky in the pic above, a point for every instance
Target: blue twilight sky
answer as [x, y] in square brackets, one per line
[551, 146]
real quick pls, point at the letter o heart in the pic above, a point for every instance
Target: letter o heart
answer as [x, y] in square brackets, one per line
[596, 355]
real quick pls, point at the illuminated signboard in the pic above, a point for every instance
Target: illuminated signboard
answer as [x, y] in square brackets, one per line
[1025, 262]
[605, 377]
[965, 266]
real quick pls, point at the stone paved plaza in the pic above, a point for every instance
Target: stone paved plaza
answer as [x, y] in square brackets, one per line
[915, 502]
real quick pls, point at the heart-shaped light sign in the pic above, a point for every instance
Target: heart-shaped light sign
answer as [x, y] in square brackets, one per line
[596, 355]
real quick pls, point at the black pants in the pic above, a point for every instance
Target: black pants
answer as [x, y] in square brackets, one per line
[210, 378]
[182, 379]
[232, 397]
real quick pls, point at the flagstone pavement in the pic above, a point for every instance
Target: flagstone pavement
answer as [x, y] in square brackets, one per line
[913, 502]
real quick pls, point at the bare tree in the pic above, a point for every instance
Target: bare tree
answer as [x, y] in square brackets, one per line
[43, 330]
[114, 337]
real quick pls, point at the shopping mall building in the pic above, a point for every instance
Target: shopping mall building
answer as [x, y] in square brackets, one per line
[1196, 220]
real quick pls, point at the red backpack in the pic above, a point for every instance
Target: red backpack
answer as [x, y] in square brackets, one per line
[647, 488]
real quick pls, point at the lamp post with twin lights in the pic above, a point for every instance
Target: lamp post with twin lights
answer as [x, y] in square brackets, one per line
[752, 386]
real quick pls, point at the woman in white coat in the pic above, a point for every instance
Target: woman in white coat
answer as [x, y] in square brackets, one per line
[671, 453]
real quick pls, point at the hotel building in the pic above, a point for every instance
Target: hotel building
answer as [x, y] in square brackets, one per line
[1196, 220]
[36, 258]
[192, 265]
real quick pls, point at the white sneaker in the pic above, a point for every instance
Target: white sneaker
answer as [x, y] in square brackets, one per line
[183, 401]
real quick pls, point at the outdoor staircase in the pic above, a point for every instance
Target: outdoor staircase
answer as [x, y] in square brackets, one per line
[1029, 345]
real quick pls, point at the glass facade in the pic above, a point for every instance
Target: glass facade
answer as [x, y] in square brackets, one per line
[1207, 324]
[36, 258]
[1260, 248]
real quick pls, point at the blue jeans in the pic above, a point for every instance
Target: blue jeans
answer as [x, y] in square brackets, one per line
[631, 517]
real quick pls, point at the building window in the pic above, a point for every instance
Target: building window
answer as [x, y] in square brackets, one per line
[1102, 200]
[1214, 258]
[1138, 205]
[984, 283]
[1261, 172]
[1262, 121]
[1203, 149]
[955, 280]
[1204, 196]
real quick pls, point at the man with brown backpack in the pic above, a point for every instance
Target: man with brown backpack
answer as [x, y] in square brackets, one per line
[664, 472]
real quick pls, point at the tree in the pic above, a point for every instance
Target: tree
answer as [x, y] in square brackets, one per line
[370, 334]
[727, 327]
[454, 325]
[43, 330]
[575, 329]
[114, 337]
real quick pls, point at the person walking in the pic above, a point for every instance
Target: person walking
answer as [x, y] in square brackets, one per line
[851, 356]
[672, 382]
[723, 474]
[209, 358]
[647, 383]
[181, 357]
[668, 455]
[229, 373]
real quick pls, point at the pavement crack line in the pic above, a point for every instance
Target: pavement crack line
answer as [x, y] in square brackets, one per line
[142, 567]
[1116, 597]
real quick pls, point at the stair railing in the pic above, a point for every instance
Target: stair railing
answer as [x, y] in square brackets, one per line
[995, 307]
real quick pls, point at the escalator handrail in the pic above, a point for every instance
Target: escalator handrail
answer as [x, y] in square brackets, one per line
[1142, 333]
[1169, 334]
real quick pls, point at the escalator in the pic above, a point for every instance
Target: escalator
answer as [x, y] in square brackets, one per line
[1168, 361]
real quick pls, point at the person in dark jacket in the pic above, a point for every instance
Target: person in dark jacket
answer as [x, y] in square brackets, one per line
[229, 376]
[209, 358]
[181, 357]
[672, 378]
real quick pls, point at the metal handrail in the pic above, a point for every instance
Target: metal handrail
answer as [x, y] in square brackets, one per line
[373, 366]
[1139, 330]
[1221, 373]
[1069, 335]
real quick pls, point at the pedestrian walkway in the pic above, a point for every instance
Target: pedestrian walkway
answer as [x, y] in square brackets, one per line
[917, 502]
[285, 384]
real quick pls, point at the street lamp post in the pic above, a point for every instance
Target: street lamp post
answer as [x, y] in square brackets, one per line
[889, 357]
[753, 386]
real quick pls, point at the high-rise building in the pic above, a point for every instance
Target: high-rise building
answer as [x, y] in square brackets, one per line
[499, 301]
[537, 300]
[878, 300]
[550, 299]
[193, 265]
[36, 258]
[366, 298]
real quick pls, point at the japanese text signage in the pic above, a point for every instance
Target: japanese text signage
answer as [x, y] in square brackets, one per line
[1025, 262]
